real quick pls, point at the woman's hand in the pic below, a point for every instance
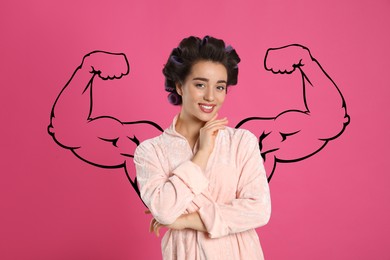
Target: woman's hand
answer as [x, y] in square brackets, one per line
[208, 133]
[191, 220]
[155, 226]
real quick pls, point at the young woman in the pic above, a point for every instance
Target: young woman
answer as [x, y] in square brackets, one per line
[201, 179]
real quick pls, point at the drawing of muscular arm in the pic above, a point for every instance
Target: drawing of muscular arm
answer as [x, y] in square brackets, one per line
[295, 135]
[102, 141]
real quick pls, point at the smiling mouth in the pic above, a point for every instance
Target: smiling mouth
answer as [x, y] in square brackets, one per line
[206, 108]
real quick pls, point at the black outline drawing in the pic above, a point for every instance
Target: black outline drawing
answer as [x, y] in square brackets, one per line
[344, 121]
[113, 141]
[93, 65]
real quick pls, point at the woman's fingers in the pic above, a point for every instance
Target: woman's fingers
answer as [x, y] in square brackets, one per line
[151, 225]
[215, 125]
[208, 133]
[215, 121]
[157, 229]
[154, 227]
[214, 117]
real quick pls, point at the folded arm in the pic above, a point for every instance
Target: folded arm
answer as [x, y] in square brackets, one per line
[252, 206]
[166, 194]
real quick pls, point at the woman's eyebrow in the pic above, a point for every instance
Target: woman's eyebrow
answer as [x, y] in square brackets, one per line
[207, 80]
[202, 79]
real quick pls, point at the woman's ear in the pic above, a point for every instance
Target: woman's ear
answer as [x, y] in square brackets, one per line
[179, 88]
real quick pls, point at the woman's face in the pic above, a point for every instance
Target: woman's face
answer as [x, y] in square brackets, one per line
[203, 91]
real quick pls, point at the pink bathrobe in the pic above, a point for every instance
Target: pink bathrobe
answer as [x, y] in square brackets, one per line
[231, 195]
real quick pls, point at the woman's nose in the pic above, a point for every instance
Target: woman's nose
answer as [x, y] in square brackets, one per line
[209, 95]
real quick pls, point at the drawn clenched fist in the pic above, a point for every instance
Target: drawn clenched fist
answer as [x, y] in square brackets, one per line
[106, 65]
[286, 59]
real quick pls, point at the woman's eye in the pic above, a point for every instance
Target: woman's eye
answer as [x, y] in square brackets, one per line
[221, 88]
[199, 85]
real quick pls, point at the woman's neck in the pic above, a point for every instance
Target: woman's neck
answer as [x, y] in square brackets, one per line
[189, 129]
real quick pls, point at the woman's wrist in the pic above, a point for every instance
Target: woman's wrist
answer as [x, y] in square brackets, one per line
[193, 221]
[201, 158]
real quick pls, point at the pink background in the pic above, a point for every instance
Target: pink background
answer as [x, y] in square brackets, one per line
[334, 205]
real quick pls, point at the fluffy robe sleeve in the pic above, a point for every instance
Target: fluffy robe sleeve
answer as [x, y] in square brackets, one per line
[166, 194]
[252, 206]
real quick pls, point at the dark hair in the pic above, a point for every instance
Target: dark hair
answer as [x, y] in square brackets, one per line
[192, 50]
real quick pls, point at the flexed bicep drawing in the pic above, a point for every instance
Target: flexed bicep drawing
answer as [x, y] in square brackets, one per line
[294, 135]
[107, 142]
[103, 141]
